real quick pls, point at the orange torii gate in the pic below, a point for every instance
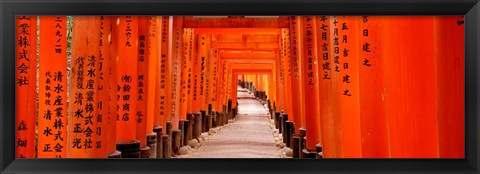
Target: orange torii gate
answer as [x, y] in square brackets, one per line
[330, 76]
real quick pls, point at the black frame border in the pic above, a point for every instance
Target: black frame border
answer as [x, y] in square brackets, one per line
[10, 8]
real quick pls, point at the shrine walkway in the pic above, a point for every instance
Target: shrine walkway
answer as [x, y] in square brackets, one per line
[249, 136]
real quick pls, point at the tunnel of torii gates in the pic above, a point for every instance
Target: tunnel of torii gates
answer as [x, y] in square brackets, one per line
[337, 87]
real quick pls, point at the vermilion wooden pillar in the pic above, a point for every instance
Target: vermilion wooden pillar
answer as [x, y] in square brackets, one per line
[449, 55]
[85, 55]
[52, 112]
[349, 85]
[335, 91]
[311, 87]
[142, 78]
[102, 91]
[409, 93]
[287, 85]
[175, 67]
[214, 81]
[26, 75]
[202, 60]
[164, 74]
[185, 92]
[277, 81]
[127, 83]
[373, 118]
[112, 83]
[153, 61]
[295, 63]
[325, 60]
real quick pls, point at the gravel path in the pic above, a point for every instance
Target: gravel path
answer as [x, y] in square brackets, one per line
[249, 136]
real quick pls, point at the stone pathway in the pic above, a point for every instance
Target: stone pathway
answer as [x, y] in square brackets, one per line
[249, 136]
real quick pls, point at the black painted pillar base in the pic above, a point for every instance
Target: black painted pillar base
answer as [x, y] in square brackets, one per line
[152, 143]
[296, 146]
[302, 137]
[129, 149]
[158, 131]
[319, 149]
[176, 143]
[288, 133]
[181, 127]
[277, 121]
[309, 154]
[116, 154]
[145, 152]
[191, 122]
[167, 146]
[203, 114]
[197, 125]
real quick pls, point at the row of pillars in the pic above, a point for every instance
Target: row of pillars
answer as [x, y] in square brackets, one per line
[369, 87]
[129, 87]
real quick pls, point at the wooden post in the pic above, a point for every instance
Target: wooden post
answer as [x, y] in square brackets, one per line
[52, 119]
[142, 78]
[410, 83]
[373, 117]
[175, 67]
[85, 55]
[102, 91]
[127, 86]
[164, 73]
[324, 48]
[311, 83]
[349, 88]
[112, 83]
[26, 75]
[335, 91]
[450, 85]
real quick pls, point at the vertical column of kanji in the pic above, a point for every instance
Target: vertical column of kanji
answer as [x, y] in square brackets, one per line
[207, 78]
[225, 84]
[335, 92]
[102, 89]
[164, 73]
[196, 73]
[190, 59]
[85, 53]
[112, 87]
[296, 78]
[142, 78]
[277, 80]
[372, 113]
[214, 79]
[287, 74]
[176, 72]
[176, 67]
[280, 71]
[127, 89]
[410, 96]
[325, 82]
[228, 95]
[313, 131]
[349, 87]
[449, 47]
[153, 57]
[219, 82]
[184, 73]
[26, 74]
[52, 140]
[201, 60]
[157, 56]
